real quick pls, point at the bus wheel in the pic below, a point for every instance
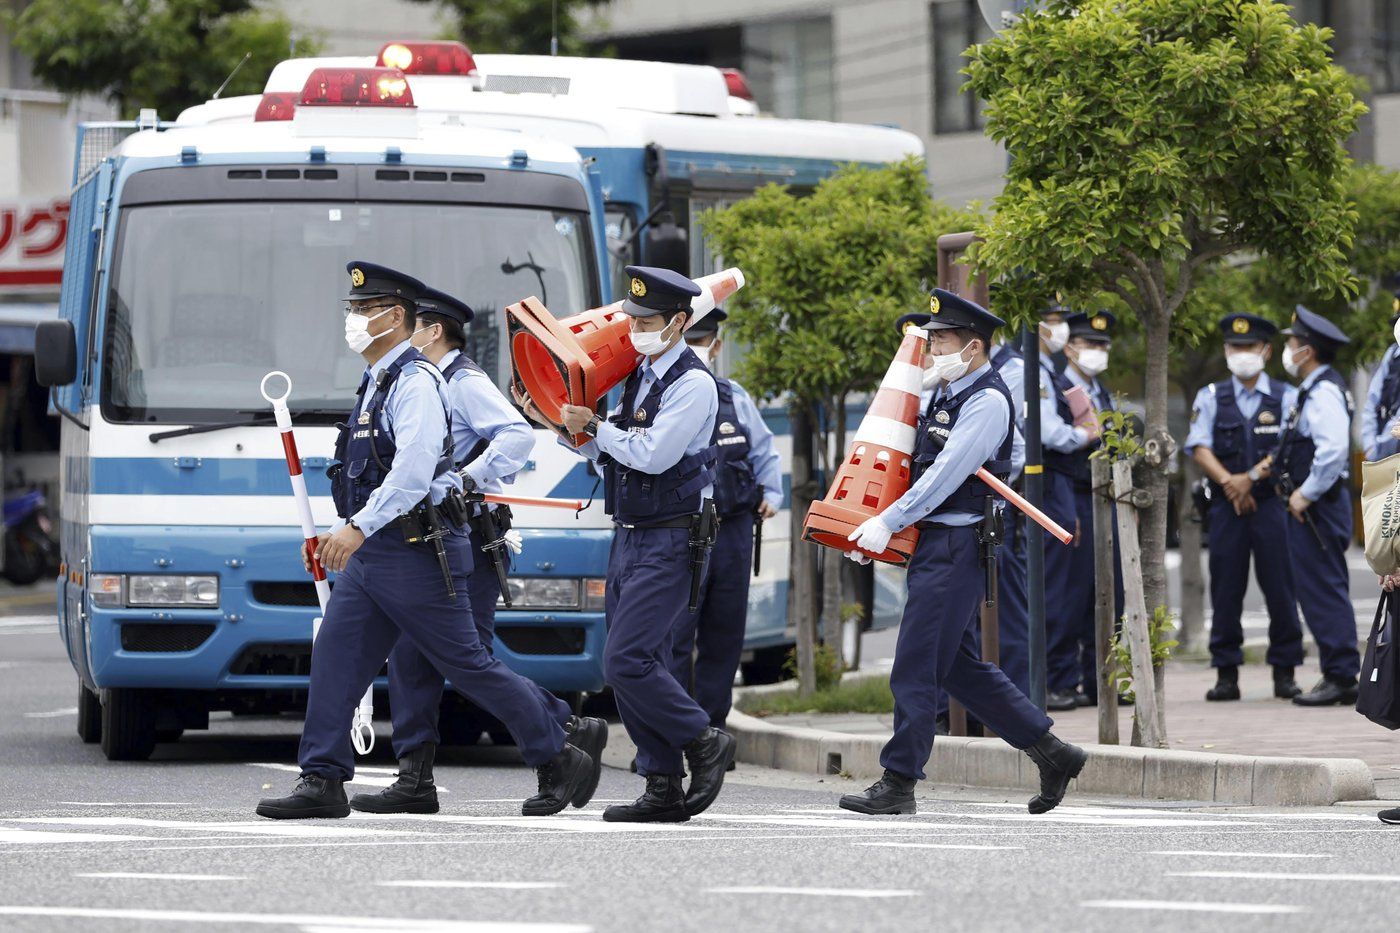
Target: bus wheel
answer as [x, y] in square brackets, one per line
[128, 726]
[89, 716]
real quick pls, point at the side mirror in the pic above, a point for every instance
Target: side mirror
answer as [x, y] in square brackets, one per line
[667, 245]
[55, 353]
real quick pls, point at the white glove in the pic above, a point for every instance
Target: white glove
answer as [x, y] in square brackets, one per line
[858, 557]
[514, 540]
[873, 536]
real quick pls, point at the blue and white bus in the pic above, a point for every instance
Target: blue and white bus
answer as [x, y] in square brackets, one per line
[208, 251]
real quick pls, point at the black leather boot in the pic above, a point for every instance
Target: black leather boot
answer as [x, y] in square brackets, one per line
[589, 734]
[1227, 684]
[315, 796]
[1285, 687]
[709, 757]
[1061, 700]
[893, 793]
[1391, 816]
[1330, 691]
[1059, 763]
[562, 779]
[413, 792]
[663, 802]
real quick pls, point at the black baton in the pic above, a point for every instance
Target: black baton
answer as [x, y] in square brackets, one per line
[758, 533]
[435, 535]
[703, 529]
[493, 545]
[1286, 487]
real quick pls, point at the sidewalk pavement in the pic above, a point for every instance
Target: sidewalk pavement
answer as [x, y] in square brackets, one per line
[1254, 729]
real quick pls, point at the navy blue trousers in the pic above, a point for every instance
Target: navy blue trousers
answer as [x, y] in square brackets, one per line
[937, 649]
[1232, 539]
[715, 633]
[648, 592]
[1013, 613]
[390, 590]
[415, 686]
[1322, 583]
[1062, 668]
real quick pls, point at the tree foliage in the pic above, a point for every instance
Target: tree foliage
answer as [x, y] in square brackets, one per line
[521, 27]
[166, 54]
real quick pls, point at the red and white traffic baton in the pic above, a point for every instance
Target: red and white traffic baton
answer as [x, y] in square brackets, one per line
[362, 729]
[1022, 503]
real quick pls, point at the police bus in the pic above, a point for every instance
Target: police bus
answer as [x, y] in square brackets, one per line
[209, 251]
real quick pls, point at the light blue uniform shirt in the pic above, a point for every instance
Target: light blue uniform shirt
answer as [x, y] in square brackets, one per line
[415, 419]
[1056, 433]
[481, 413]
[763, 458]
[1324, 419]
[1203, 409]
[974, 440]
[1376, 437]
[684, 425]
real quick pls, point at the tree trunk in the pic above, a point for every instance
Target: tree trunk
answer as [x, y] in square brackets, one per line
[831, 558]
[802, 561]
[1152, 530]
[1193, 584]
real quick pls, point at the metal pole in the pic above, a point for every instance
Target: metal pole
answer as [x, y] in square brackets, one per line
[1035, 540]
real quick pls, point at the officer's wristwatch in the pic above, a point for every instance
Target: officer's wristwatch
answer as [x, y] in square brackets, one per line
[468, 484]
[591, 428]
[1253, 475]
[350, 523]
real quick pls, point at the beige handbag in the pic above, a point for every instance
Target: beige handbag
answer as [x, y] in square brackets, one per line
[1380, 513]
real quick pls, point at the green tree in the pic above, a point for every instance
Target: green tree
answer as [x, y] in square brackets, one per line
[829, 273]
[1150, 139]
[166, 54]
[522, 27]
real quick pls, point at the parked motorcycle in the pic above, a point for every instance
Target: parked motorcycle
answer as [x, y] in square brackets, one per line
[31, 551]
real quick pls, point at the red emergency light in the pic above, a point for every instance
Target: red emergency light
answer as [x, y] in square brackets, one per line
[356, 87]
[275, 105]
[428, 58]
[736, 82]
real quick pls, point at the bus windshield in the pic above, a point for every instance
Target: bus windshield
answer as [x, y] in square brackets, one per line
[209, 297]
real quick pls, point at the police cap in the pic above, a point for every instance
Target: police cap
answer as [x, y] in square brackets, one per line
[371, 280]
[1097, 327]
[432, 301]
[1247, 328]
[709, 324]
[947, 311]
[657, 291]
[1311, 327]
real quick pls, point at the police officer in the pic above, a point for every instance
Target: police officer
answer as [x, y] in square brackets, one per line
[748, 483]
[1065, 446]
[394, 470]
[1086, 355]
[968, 425]
[1311, 461]
[1235, 425]
[1382, 410]
[491, 442]
[658, 456]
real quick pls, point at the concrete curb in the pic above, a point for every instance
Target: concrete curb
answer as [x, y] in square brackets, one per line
[1120, 771]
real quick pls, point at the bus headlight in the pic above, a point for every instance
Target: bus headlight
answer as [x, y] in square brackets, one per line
[543, 592]
[172, 590]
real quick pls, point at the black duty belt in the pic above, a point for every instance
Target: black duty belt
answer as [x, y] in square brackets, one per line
[683, 522]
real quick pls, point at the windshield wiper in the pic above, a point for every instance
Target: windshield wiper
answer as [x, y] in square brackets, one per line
[510, 268]
[258, 418]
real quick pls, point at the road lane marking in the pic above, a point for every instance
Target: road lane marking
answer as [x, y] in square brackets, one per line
[1207, 852]
[816, 892]
[490, 885]
[1283, 876]
[938, 845]
[1087, 820]
[27, 836]
[321, 921]
[28, 621]
[122, 803]
[258, 828]
[156, 876]
[53, 713]
[1198, 906]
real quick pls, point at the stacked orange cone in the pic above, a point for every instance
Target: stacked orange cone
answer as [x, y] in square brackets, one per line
[877, 472]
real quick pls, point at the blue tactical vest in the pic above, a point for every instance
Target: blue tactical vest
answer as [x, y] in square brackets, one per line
[460, 366]
[1074, 463]
[736, 487]
[1239, 442]
[632, 497]
[1389, 401]
[1003, 355]
[1297, 451]
[364, 454]
[937, 422]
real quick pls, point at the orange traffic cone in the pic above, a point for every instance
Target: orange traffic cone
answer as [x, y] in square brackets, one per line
[577, 360]
[878, 470]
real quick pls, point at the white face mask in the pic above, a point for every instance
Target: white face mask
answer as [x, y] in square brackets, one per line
[1290, 361]
[357, 335]
[949, 367]
[1092, 361]
[700, 351]
[1055, 336]
[1245, 365]
[651, 342]
[1397, 329]
[421, 330]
